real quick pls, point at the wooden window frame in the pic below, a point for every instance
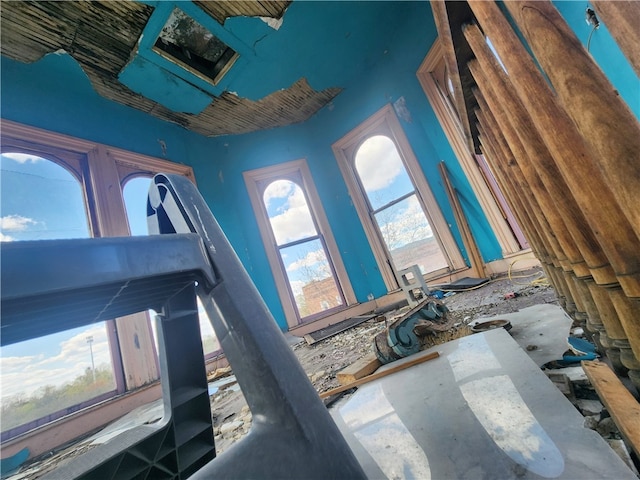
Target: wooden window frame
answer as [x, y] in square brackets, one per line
[100, 169]
[253, 179]
[385, 122]
[448, 118]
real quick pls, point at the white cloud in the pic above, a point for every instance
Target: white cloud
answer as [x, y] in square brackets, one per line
[16, 223]
[22, 157]
[296, 287]
[6, 238]
[277, 189]
[309, 260]
[26, 374]
[378, 163]
[295, 221]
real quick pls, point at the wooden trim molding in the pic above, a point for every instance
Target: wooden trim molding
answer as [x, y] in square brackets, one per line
[453, 130]
[385, 122]
[252, 178]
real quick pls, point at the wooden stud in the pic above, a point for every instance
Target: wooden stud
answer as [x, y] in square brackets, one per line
[363, 367]
[419, 358]
[475, 259]
[579, 168]
[606, 123]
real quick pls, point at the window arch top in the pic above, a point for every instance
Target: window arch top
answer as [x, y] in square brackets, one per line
[41, 199]
[381, 171]
[288, 212]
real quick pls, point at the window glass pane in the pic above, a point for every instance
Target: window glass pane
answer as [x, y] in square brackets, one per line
[40, 200]
[381, 171]
[310, 277]
[408, 236]
[48, 374]
[135, 193]
[210, 343]
[288, 212]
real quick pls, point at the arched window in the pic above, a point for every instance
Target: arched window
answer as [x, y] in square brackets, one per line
[48, 377]
[400, 216]
[311, 279]
[395, 207]
[303, 255]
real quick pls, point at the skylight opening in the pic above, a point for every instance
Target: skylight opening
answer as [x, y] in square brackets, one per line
[191, 45]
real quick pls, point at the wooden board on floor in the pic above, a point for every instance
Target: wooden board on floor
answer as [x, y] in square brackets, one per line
[363, 367]
[622, 406]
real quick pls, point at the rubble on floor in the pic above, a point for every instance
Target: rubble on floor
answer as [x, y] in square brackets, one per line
[323, 360]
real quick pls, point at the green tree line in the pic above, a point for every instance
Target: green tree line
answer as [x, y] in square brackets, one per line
[20, 409]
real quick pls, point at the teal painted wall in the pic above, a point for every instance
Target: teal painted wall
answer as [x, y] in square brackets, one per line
[605, 52]
[55, 94]
[393, 76]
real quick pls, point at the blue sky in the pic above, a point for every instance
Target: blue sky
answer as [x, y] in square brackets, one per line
[385, 179]
[41, 200]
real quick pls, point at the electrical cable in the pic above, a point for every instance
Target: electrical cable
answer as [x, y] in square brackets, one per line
[590, 34]
[540, 279]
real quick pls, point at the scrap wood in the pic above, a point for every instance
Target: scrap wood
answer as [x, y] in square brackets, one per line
[414, 361]
[219, 373]
[363, 367]
[621, 405]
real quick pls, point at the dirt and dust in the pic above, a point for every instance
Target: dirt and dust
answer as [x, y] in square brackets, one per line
[323, 360]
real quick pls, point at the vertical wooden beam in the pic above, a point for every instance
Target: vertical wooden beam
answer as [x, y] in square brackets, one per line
[621, 18]
[475, 259]
[539, 232]
[518, 204]
[441, 19]
[581, 172]
[521, 190]
[607, 124]
[135, 338]
[569, 225]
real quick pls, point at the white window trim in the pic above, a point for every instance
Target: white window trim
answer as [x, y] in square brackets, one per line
[385, 122]
[252, 178]
[453, 130]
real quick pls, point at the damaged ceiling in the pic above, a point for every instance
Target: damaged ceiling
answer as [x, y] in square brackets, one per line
[107, 40]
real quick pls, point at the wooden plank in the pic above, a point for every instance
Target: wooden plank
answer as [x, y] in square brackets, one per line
[622, 406]
[420, 358]
[477, 265]
[363, 367]
[582, 168]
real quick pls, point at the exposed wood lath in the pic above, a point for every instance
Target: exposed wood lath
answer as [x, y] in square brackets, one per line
[102, 37]
[284, 107]
[101, 34]
[220, 10]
